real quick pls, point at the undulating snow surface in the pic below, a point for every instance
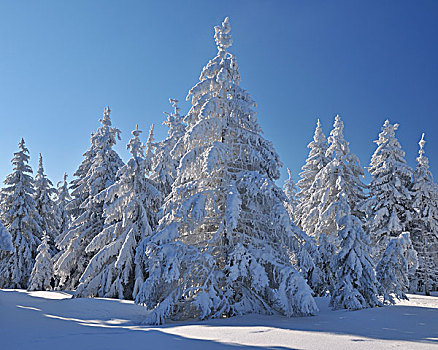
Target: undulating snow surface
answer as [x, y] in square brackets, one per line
[51, 320]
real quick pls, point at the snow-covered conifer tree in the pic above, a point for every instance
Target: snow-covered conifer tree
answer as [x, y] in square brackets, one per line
[305, 249]
[21, 219]
[356, 284]
[165, 161]
[130, 215]
[42, 276]
[393, 268]
[5, 240]
[63, 198]
[305, 213]
[97, 172]
[389, 205]
[44, 201]
[424, 225]
[221, 246]
[337, 189]
[290, 191]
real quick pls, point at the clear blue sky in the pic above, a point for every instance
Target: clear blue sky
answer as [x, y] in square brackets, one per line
[62, 62]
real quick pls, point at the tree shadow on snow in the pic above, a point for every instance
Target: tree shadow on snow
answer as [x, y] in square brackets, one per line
[396, 323]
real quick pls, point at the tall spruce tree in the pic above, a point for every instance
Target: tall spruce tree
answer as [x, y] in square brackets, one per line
[306, 211]
[389, 205]
[44, 200]
[221, 248]
[131, 206]
[165, 159]
[63, 198]
[21, 220]
[336, 191]
[424, 224]
[97, 172]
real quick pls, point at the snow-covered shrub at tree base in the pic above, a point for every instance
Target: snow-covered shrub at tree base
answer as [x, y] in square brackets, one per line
[305, 214]
[5, 240]
[389, 205]
[44, 200]
[393, 268]
[97, 172]
[222, 245]
[336, 185]
[42, 273]
[165, 162]
[21, 220]
[130, 215]
[424, 225]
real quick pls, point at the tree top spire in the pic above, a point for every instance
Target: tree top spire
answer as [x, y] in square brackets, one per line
[422, 159]
[222, 35]
[106, 117]
[40, 165]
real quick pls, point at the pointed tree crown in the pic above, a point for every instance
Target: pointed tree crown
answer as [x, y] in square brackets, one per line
[135, 146]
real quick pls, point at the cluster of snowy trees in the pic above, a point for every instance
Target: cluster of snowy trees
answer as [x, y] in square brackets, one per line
[195, 226]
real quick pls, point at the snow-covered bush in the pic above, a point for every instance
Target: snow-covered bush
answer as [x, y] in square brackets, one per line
[42, 276]
[393, 268]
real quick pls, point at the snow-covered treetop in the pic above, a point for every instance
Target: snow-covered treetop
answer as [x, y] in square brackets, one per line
[63, 194]
[222, 35]
[135, 146]
[389, 153]
[422, 160]
[21, 158]
[315, 161]
[149, 149]
[165, 160]
[219, 105]
[42, 182]
[339, 150]
[106, 136]
[319, 137]
[174, 121]
[338, 146]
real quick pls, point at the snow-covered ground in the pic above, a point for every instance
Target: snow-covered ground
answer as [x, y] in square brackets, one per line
[51, 320]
